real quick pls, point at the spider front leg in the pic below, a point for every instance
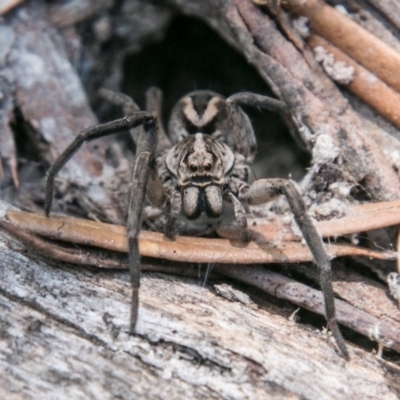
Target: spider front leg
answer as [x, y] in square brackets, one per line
[240, 216]
[242, 128]
[144, 172]
[264, 190]
[95, 132]
[143, 164]
[175, 207]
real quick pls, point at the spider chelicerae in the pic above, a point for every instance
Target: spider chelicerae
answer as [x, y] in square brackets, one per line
[204, 160]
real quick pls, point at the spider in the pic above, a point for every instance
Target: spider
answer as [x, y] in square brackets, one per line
[203, 161]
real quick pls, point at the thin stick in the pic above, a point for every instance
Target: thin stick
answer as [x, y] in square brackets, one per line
[389, 8]
[56, 252]
[352, 39]
[364, 84]
[187, 249]
[8, 5]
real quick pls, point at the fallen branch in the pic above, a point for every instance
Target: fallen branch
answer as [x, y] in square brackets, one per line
[71, 322]
[189, 249]
[352, 39]
[358, 218]
[363, 83]
[8, 5]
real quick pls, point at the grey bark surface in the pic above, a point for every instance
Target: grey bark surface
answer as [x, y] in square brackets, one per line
[64, 334]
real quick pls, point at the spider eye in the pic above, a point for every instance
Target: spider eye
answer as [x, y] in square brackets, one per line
[207, 167]
[193, 167]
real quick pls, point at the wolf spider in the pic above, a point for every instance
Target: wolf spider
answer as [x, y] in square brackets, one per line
[204, 160]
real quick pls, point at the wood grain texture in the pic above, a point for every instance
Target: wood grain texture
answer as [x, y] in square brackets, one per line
[367, 309]
[64, 333]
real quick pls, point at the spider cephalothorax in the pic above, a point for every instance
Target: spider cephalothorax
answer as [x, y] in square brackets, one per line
[204, 160]
[200, 168]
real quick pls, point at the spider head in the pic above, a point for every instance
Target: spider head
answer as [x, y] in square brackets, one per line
[201, 110]
[200, 165]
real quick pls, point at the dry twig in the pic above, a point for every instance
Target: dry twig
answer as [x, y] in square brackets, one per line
[352, 39]
[185, 249]
[8, 5]
[385, 332]
[364, 84]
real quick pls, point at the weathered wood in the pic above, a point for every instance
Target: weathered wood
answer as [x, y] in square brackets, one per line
[223, 258]
[64, 333]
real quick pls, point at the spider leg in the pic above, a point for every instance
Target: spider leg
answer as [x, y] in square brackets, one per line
[119, 99]
[140, 178]
[127, 104]
[240, 215]
[258, 100]
[95, 132]
[243, 131]
[144, 164]
[264, 190]
[175, 206]
[155, 192]
[154, 105]
[151, 141]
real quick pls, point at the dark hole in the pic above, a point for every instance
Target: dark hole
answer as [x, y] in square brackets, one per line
[191, 57]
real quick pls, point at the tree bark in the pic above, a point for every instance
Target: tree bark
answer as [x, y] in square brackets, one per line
[64, 334]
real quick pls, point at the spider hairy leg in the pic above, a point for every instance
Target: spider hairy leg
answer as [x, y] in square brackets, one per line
[154, 100]
[137, 195]
[119, 99]
[321, 257]
[140, 179]
[146, 146]
[262, 191]
[241, 219]
[257, 100]
[171, 227]
[95, 132]
[244, 135]
[144, 175]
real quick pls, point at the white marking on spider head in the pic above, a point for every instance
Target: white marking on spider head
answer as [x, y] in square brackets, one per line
[200, 119]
